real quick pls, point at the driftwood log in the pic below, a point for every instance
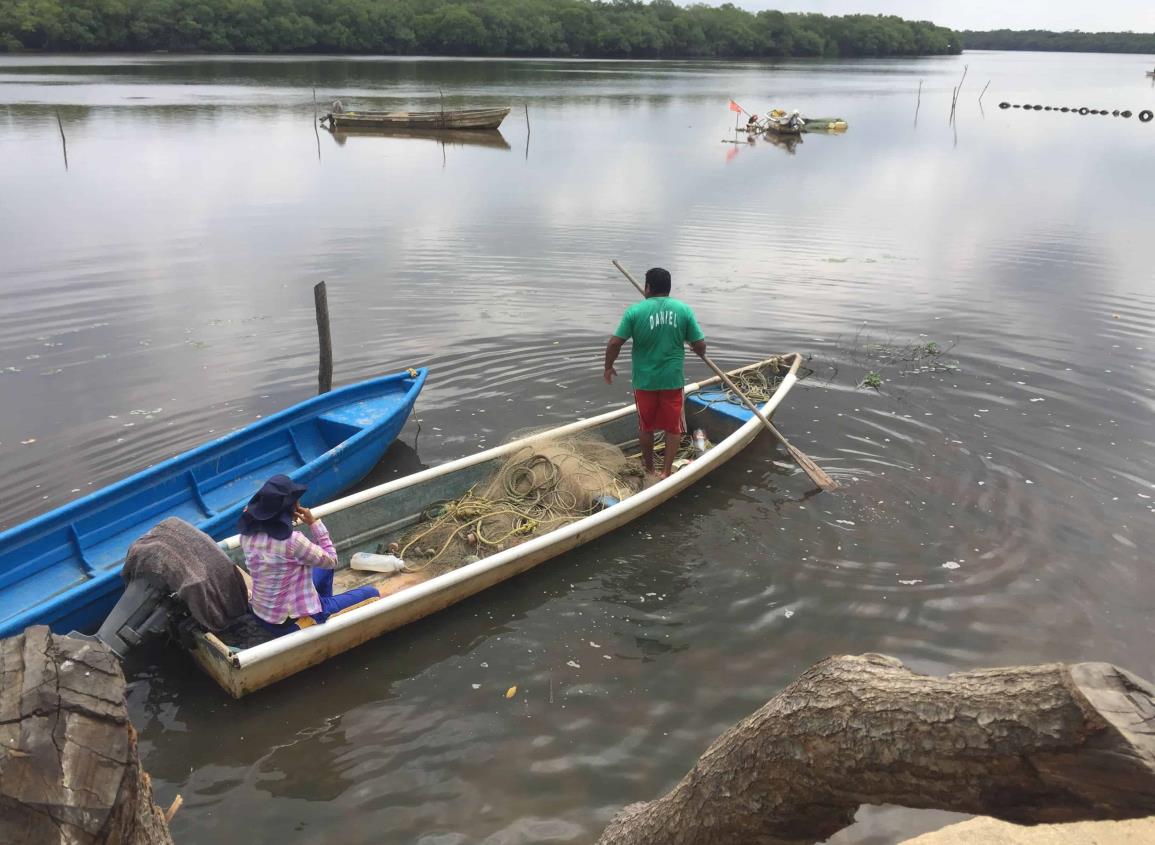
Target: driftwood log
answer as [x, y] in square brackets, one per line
[69, 770]
[1028, 744]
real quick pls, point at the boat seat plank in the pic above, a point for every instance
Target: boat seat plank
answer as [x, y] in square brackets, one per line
[126, 513]
[50, 581]
[110, 548]
[255, 473]
[196, 491]
[367, 412]
[54, 550]
[223, 468]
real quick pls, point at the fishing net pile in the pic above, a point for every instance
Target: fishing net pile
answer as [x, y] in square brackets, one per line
[540, 487]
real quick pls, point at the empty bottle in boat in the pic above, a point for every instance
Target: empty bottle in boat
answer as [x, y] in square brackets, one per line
[368, 562]
[700, 445]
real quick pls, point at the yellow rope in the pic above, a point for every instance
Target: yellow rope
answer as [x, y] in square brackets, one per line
[530, 501]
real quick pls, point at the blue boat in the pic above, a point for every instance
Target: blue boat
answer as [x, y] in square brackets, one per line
[62, 568]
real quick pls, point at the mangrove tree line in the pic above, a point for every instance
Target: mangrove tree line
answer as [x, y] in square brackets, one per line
[1065, 42]
[621, 28]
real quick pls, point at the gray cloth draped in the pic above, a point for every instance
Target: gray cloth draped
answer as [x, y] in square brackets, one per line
[192, 565]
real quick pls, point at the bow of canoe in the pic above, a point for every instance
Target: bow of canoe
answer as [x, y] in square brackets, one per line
[62, 568]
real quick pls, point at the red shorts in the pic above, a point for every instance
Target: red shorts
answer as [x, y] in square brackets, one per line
[660, 410]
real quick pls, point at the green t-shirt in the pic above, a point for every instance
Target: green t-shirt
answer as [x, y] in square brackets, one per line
[660, 327]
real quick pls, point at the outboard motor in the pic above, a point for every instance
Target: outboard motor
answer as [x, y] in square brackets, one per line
[143, 612]
[173, 572]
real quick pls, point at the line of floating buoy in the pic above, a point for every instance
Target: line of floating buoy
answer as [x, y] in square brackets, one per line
[1145, 116]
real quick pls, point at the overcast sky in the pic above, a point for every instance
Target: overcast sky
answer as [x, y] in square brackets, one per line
[1087, 15]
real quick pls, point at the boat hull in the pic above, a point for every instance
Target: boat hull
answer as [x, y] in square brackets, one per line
[773, 128]
[475, 119]
[357, 523]
[62, 569]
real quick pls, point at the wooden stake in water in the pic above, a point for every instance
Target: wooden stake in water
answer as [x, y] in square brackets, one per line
[316, 131]
[918, 103]
[984, 91]
[324, 338]
[63, 140]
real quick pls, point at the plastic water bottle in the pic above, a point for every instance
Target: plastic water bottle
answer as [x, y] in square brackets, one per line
[700, 441]
[366, 561]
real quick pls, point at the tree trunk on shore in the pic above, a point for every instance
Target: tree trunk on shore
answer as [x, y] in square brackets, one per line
[1028, 744]
[69, 771]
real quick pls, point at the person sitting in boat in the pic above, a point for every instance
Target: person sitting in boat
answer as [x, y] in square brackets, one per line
[292, 575]
[660, 327]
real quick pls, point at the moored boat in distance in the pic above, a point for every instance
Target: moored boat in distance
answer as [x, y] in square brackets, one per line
[364, 521]
[62, 568]
[473, 119]
[778, 122]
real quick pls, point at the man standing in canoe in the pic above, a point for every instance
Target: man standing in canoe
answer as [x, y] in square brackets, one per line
[660, 327]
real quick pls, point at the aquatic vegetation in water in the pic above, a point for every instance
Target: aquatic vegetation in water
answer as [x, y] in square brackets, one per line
[908, 358]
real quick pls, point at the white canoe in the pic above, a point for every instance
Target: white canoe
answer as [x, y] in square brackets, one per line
[358, 522]
[476, 119]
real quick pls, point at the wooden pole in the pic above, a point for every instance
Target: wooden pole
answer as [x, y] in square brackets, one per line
[316, 131]
[918, 103]
[324, 338]
[527, 127]
[816, 474]
[1026, 744]
[63, 140]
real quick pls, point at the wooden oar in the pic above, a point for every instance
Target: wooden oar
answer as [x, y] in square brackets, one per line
[816, 473]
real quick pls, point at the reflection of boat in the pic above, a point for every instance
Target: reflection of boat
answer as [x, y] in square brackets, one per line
[789, 143]
[63, 568]
[780, 127]
[465, 137]
[361, 521]
[445, 119]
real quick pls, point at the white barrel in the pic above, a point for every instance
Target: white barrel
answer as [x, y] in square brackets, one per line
[366, 562]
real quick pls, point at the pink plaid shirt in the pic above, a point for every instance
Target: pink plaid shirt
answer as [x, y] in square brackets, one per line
[282, 572]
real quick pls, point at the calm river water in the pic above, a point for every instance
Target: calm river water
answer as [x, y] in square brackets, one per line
[157, 292]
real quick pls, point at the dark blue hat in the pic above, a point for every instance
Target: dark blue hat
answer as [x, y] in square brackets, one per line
[271, 510]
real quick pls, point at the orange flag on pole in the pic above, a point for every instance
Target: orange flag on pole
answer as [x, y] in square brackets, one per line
[735, 107]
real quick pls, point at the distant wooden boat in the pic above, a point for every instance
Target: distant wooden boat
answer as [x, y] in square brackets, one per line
[446, 119]
[62, 568]
[461, 137]
[361, 521]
